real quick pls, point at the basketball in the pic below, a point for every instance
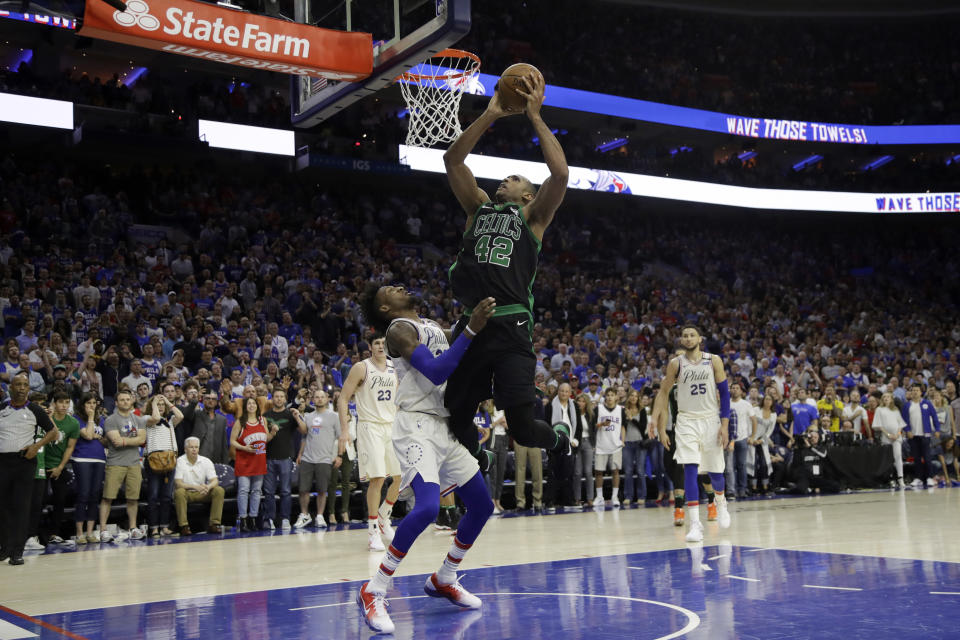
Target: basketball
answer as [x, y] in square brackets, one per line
[510, 80]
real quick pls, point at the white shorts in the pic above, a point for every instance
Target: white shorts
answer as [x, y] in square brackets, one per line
[375, 451]
[697, 443]
[424, 445]
[615, 461]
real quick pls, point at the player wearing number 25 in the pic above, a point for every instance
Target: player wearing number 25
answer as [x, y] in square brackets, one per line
[374, 383]
[498, 258]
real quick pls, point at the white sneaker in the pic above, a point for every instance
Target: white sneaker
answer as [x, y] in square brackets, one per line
[374, 608]
[56, 540]
[598, 501]
[136, 534]
[615, 501]
[104, 536]
[303, 520]
[723, 516]
[696, 532]
[497, 511]
[321, 523]
[122, 536]
[285, 525]
[386, 529]
[374, 543]
[33, 544]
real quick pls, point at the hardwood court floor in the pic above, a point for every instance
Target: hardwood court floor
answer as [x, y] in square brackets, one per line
[630, 561]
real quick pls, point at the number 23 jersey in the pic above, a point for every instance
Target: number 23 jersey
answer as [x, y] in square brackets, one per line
[376, 397]
[498, 257]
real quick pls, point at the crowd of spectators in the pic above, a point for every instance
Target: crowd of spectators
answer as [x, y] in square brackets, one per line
[260, 294]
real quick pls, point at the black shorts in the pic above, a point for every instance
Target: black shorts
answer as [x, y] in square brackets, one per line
[499, 364]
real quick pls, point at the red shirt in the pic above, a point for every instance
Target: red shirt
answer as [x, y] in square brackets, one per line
[252, 464]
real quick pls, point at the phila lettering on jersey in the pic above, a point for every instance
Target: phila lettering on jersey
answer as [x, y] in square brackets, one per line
[414, 391]
[697, 388]
[376, 397]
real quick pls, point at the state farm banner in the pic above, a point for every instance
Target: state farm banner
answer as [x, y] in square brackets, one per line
[234, 37]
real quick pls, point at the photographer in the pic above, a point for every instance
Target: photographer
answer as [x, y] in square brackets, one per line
[811, 468]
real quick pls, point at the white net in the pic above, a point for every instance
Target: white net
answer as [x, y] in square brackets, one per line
[432, 91]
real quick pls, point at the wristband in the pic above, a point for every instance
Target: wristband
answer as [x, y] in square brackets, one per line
[470, 332]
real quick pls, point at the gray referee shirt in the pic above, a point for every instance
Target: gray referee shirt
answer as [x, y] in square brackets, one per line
[323, 432]
[18, 425]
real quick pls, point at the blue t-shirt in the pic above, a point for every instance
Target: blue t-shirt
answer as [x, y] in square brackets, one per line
[87, 450]
[803, 416]
[482, 420]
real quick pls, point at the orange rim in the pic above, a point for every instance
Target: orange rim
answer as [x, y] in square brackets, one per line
[446, 53]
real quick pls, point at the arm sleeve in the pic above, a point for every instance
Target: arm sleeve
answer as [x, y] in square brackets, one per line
[438, 369]
[724, 389]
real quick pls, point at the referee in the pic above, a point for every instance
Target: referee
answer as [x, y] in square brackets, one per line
[19, 424]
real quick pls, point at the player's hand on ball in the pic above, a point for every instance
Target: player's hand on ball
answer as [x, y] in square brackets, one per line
[481, 313]
[532, 90]
[495, 106]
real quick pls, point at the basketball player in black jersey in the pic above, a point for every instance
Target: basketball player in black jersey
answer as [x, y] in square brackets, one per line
[498, 258]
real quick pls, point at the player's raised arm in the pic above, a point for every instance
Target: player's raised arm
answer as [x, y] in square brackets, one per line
[540, 212]
[464, 185]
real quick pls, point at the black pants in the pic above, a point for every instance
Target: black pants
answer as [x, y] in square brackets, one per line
[58, 498]
[560, 483]
[37, 498]
[806, 480]
[920, 448]
[672, 467]
[16, 478]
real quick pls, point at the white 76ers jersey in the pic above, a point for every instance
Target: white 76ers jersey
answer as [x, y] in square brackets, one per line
[697, 388]
[414, 391]
[376, 395]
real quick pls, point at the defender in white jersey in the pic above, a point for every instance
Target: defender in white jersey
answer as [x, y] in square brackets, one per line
[702, 424]
[372, 383]
[432, 461]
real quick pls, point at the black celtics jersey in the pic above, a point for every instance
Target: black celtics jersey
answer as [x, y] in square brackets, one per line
[498, 257]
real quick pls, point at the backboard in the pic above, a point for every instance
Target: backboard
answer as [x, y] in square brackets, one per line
[405, 32]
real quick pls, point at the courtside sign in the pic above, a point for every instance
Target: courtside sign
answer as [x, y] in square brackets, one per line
[223, 35]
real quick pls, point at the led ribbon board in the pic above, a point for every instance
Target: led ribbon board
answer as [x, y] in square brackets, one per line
[241, 137]
[38, 112]
[748, 127]
[493, 168]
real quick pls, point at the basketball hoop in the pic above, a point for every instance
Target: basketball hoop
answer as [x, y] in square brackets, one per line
[432, 91]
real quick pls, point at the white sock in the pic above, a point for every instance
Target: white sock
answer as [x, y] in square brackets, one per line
[381, 580]
[386, 509]
[447, 573]
[372, 524]
[693, 511]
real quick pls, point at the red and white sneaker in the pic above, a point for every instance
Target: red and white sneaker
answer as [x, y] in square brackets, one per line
[452, 592]
[374, 608]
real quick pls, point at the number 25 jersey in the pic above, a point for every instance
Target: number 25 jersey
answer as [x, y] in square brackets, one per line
[498, 257]
[697, 388]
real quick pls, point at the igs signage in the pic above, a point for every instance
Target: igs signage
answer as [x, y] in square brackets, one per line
[234, 37]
